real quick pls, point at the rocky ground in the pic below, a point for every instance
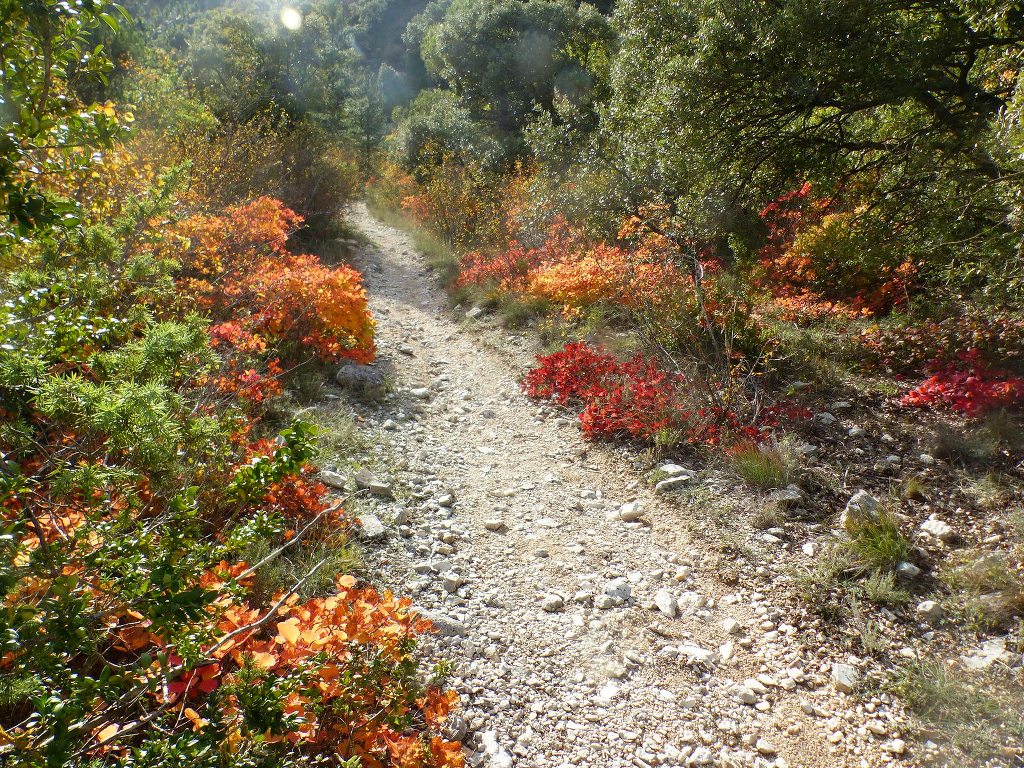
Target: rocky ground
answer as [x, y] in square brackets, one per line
[592, 620]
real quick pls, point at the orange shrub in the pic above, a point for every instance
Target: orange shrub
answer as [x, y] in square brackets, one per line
[571, 270]
[237, 266]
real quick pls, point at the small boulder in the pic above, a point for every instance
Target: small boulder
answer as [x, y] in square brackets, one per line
[670, 484]
[907, 570]
[618, 589]
[333, 479]
[861, 508]
[695, 655]
[675, 470]
[631, 512]
[365, 381]
[445, 625]
[367, 481]
[552, 603]
[791, 494]
[939, 529]
[731, 626]
[930, 610]
[665, 602]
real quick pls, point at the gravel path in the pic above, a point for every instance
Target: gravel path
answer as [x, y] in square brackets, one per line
[578, 638]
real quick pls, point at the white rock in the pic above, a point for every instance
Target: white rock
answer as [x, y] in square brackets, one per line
[988, 654]
[333, 479]
[672, 483]
[666, 603]
[494, 524]
[744, 694]
[765, 747]
[895, 747]
[930, 609]
[938, 529]
[552, 603]
[618, 589]
[630, 512]
[696, 655]
[862, 506]
[496, 754]
[731, 626]
[845, 678]
[675, 470]
[908, 570]
[371, 528]
[788, 495]
[700, 756]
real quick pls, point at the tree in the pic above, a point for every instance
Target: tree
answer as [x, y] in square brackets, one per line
[721, 105]
[505, 58]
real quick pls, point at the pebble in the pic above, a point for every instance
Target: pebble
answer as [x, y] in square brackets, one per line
[908, 570]
[938, 529]
[731, 626]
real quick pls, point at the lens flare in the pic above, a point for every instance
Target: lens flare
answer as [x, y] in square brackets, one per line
[291, 18]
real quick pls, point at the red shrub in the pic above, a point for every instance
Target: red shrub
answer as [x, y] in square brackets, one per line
[968, 387]
[635, 399]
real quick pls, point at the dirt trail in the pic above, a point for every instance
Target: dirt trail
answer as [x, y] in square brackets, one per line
[548, 676]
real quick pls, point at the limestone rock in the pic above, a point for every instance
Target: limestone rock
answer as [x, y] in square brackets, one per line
[845, 678]
[371, 528]
[364, 381]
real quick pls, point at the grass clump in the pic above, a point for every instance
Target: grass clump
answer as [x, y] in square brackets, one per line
[988, 587]
[881, 589]
[980, 724]
[764, 467]
[323, 542]
[989, 590]
[820, 583]
[876, 542]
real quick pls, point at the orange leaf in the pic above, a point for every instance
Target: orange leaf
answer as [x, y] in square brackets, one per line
[289, 630]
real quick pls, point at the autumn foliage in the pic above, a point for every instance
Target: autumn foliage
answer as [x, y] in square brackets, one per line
[571, 270]
[238, 267]
[635, 399]
[173, 571]
[967, 386]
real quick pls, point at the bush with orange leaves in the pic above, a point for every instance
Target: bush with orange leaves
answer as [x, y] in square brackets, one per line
[571, 270]
[821, 260]
[238, 267]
